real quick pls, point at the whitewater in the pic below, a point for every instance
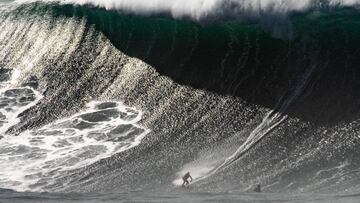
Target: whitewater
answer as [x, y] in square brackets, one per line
[201, 9]
[116, 100]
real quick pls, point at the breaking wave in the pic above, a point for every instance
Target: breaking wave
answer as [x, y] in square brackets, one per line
[232, 100]
[215, 9]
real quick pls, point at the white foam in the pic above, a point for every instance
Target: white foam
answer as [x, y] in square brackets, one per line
[12, 101]
[200, 9]
[100, 131]
[39, 156]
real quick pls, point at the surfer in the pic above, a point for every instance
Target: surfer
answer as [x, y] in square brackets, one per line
[257, 188]
[185, 179]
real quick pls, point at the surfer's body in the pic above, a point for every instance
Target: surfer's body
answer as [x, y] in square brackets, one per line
[185, 179]
[257, 188]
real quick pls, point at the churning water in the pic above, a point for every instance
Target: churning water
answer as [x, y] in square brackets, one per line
[116, 100]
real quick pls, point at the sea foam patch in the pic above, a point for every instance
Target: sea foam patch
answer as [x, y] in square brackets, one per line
[35, 158]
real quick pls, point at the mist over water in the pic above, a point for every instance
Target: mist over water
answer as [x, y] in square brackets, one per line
[213, 9]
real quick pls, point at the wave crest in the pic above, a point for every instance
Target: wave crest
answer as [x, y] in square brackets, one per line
[203, 10]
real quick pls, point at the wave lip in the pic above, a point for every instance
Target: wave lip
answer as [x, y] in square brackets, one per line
[204, 10]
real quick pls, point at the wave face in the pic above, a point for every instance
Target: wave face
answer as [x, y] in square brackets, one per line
[230, 102]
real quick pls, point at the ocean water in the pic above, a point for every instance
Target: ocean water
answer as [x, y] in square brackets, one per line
[176, 197]
[114, 101]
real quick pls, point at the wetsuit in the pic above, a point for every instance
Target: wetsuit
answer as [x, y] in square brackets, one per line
[257, 189]
[185, 179]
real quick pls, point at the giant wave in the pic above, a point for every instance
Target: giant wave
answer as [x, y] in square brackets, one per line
[229, 101]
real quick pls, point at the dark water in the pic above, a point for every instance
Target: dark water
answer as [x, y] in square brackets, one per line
[96, 101]
[179, 197]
